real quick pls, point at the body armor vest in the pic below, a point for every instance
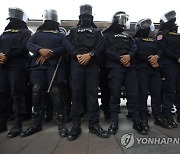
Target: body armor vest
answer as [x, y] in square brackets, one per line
[120, 43]
[84, 38]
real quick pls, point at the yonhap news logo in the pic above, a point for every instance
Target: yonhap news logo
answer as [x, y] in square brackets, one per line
[128, 140]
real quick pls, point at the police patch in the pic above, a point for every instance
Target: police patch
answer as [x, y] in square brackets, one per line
[159, 37]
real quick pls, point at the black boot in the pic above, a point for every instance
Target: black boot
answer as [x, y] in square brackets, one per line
[74, 132]
[15, 131]
[3, 125]
[35, 127]
[96, 129]
[144, 124]
[173, 123]
[159, 121]
[113, 128]
[138, 127]
[31, 130]
[63, 131]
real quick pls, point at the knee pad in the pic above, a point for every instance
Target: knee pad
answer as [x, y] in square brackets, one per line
[37, 88]
[55, 90]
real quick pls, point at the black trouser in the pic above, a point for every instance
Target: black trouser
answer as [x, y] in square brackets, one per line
[171, 88]
[85, 80]
[41, 80]
[149, 81]
[12, 85]
[48, 106]
[105, 91]
[116, 78]
[28, 96]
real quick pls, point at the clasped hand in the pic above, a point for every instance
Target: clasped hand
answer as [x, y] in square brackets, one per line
[125, 60]
[44, 55]
[3, 58]
[83, 59]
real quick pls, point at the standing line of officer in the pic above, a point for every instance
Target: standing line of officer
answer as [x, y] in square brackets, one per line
[13, 59]
[112, 56]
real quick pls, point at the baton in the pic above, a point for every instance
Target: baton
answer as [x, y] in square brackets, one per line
[54, 75]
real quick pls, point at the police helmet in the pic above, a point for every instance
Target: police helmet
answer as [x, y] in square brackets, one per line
[143, 24]
[52, 15]
[122, 19]
[168, 16]
[86, 9]
[17, 13]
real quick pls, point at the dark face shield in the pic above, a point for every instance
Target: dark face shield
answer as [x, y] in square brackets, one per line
[86, 20]
[168, 16]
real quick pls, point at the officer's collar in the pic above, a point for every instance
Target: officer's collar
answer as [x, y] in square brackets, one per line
[50, 31]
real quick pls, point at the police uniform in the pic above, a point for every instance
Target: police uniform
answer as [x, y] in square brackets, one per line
[47, 37]
[149, 81]
[104, 87]
[118, 44]
[85, 40]
[169, 40]
[13, 71]
[149, 77]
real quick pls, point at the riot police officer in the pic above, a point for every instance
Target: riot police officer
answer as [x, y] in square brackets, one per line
[48, 47]
[86, 42]
[121, 65]
[13, 58]
[148, 72]
[169, 41]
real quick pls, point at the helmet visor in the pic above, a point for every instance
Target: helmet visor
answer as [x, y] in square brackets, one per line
[168, 16]
[123, 19]
[146, 23]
